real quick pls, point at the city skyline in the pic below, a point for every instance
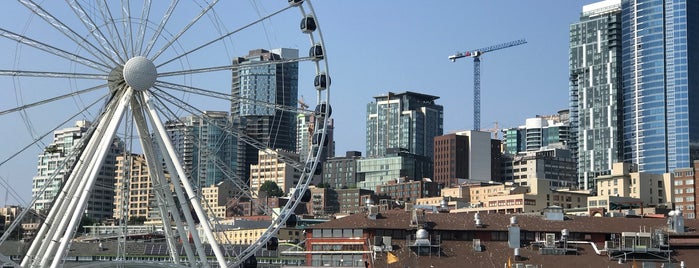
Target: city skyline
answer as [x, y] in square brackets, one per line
[416, 54]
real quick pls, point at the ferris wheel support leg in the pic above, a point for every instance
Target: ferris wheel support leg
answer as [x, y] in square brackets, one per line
[78, 206]
[160, 185]
[174, 162]
[48, 228]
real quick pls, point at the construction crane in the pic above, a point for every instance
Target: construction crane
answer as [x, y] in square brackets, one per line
[476, 55]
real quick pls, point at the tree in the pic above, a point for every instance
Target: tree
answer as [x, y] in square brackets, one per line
[271, 189]
[137, 220]
[85, 221]
[323, 185]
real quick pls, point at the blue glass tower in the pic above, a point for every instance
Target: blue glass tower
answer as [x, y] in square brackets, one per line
[660, 96]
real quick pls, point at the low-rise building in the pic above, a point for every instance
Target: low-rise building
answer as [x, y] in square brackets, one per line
[685, 186]
[404, 190]
[626, 181]
[415, 239]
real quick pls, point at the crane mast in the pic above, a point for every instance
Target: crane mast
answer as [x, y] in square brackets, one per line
[476, 55]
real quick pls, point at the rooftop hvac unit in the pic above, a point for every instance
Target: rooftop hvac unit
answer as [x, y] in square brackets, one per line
[608, 244]
[477, 245]
[550, 240]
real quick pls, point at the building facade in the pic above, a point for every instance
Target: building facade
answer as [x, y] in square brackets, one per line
[258, 85]
[661, 96]
[341, 172]
[553, 164]
[684, 184]
[206, 147]
[405, 120]
[466, 156]
[396, 164]
[272, 168]
[595, 90]
[52, 174]
[538, 132]
[627, 181]
[408, 190]
[215, 197]
[134, 190]
[353, 200]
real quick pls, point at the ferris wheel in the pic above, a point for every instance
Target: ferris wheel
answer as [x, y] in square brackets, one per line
[136, 71]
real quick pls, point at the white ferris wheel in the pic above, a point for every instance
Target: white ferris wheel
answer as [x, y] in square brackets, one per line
[129, 68]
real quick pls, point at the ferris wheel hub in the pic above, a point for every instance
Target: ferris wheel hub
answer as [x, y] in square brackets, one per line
[140, 73]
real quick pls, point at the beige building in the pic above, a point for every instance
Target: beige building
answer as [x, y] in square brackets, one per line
[215, 197]
[271, 168]
[141, 196]
[510, 198]
[626, 181]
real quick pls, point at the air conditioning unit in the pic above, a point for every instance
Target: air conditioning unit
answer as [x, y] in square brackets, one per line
[608, 244]
[477, 245]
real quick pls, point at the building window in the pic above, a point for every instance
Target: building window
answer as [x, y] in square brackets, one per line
[689, 182]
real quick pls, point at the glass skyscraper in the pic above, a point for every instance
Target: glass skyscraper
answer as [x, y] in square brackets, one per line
[258, 85]
[660, 97]
[406, 120]
[595, 90]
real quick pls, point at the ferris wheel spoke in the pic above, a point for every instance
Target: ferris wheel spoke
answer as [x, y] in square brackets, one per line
[52, 50]
[93, 29]
[46, 134]
[180, 55]
[45, 101]
[161, 26]
[230, 67]
[46, 74]
[67, 31]
[145, 13]
[113, 31]
[128, 29]
[183, 30]
[226, 96]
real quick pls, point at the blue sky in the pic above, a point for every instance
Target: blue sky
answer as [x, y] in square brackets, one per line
[372, 47]
[384, 46]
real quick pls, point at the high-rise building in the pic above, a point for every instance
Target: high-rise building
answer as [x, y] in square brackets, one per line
[101, 201]
[260, 85]
[595, 90]
[406, 120]
[538, 132]
[660, 90]
[466, 156]
[207, 149]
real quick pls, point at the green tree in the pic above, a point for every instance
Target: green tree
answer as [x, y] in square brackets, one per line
[85, 221]
[270, 189]
[136, 220]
